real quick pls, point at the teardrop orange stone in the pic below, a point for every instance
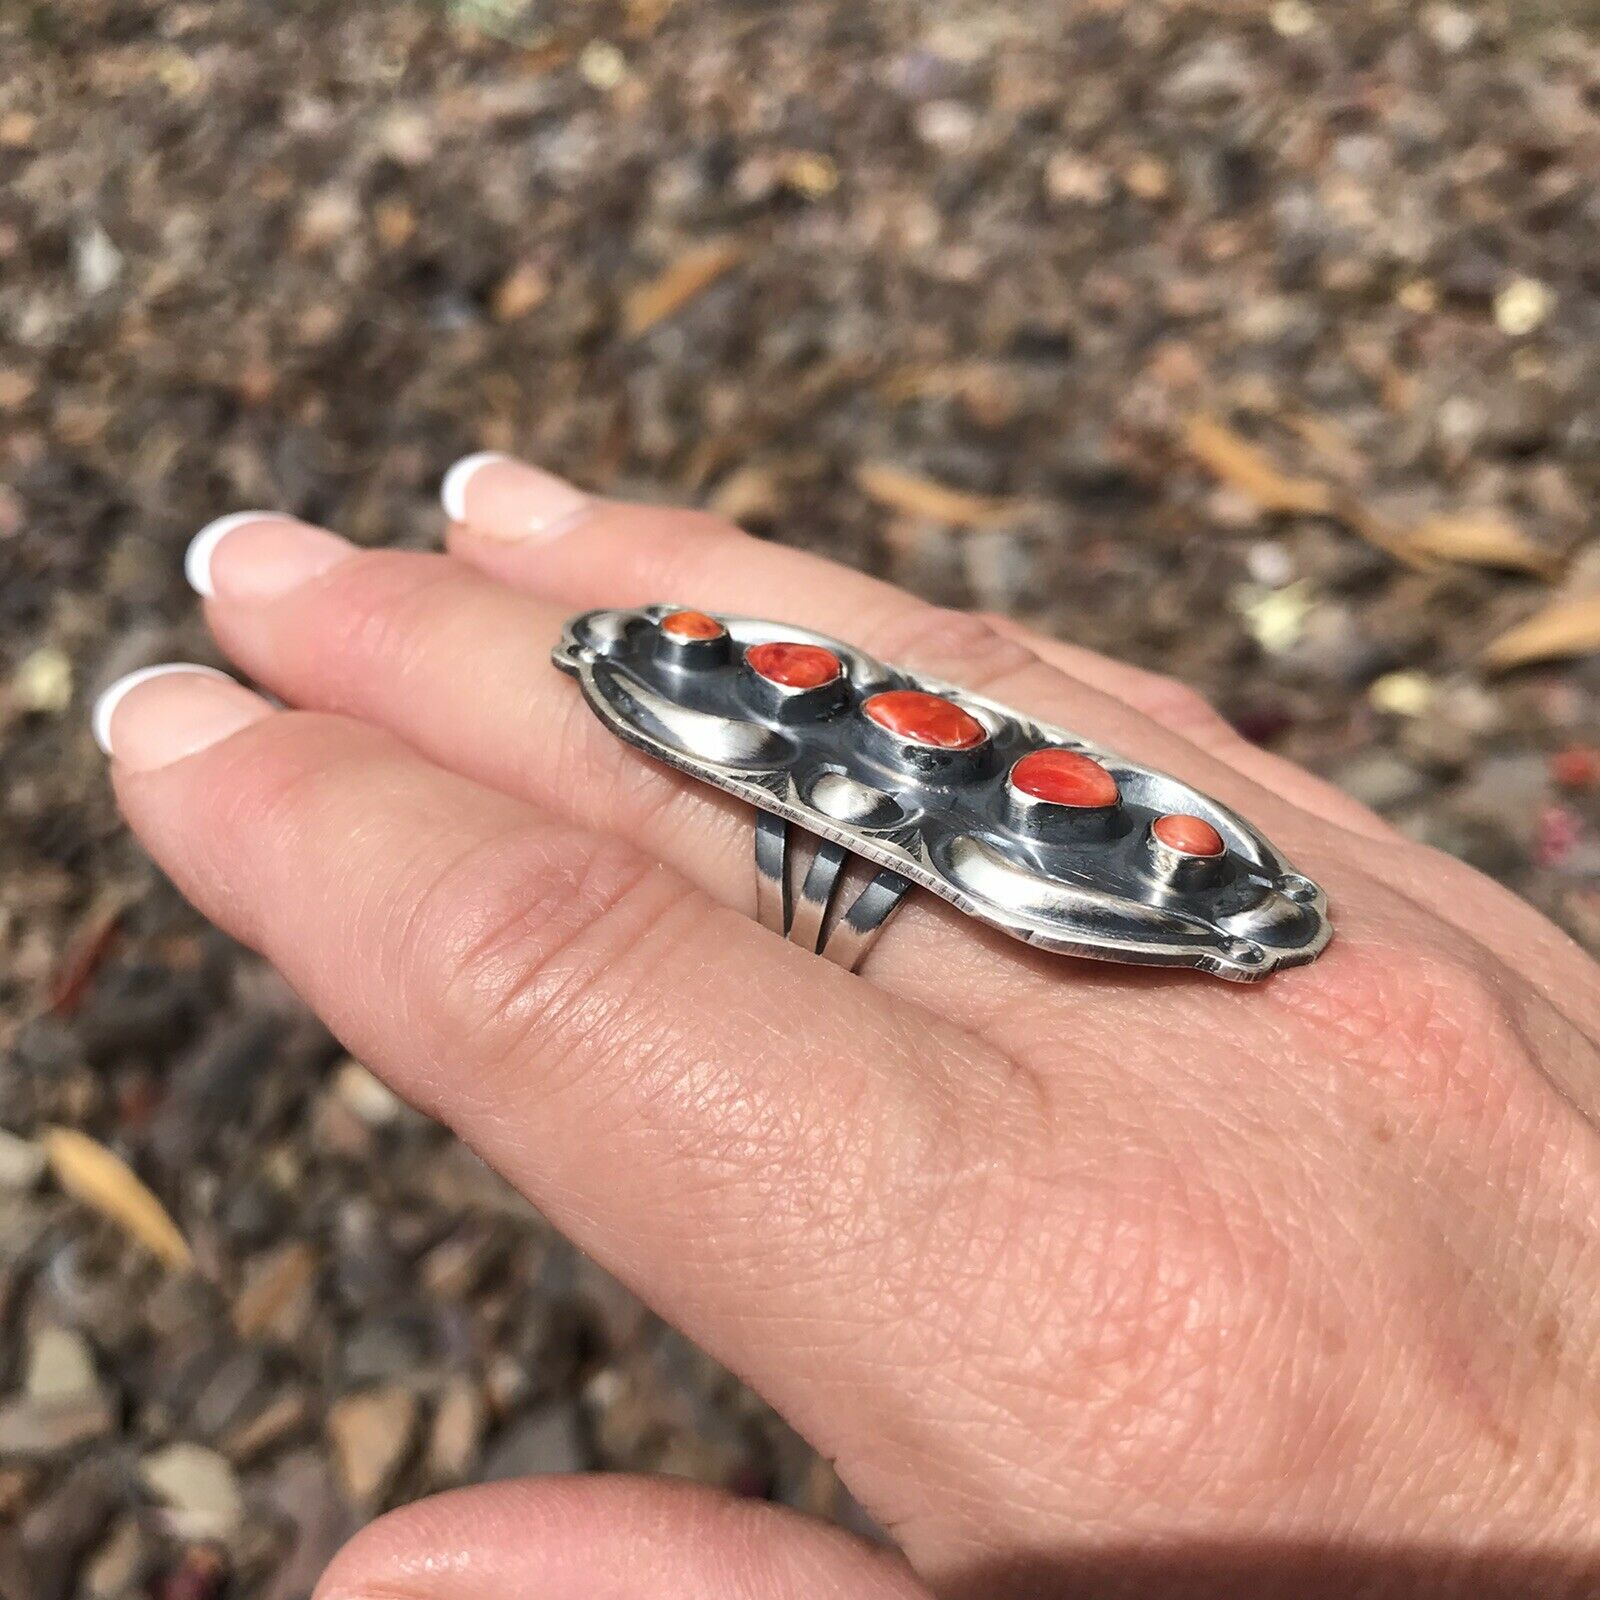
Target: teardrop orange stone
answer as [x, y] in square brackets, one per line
[794, 666]
[927, 719]
[1064, 778]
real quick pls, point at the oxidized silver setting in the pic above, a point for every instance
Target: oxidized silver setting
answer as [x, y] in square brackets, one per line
[1053, 840]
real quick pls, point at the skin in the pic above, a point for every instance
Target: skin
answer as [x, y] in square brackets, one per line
[1091, 1280]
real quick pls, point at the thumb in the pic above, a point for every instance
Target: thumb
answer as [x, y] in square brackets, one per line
[608, 1538]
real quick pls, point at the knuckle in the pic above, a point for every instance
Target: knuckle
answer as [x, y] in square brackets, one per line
[531, 941]
[1175, 705]
[951, 644]
[380, 606]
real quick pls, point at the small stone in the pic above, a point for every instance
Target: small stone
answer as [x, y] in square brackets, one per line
[39, 1430]
[198, 1489]
[371, 1434]
[96, 261]
[602, 65]
[1292, 19]
[269, 1427]
[366, 1096]
[1522, 307]
[60, 1366]
[42, 683]
[543, 1442]
[925, 719]
[1401, 694]
[22, 1163]
[113, 1569]
[1073, 179]
[691, 625]
[457, 1432]
[277, 1298]
[1065, 778]
[793, 666]
[947, 125]
[1189, 836]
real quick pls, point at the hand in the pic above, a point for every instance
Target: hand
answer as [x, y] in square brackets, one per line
[1091, 1280]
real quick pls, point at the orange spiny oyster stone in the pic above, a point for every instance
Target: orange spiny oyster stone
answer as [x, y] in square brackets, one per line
[1064, 778]
[794, 666]
[927, 719]
[1189, 836]
[691, 625]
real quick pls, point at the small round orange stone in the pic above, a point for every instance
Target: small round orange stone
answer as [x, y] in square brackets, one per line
[1064, 778]
[794, 666]
[1189, 836]
[927, 719]
[692, 625]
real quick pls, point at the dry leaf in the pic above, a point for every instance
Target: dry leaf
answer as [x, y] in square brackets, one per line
[90, 1173]
[689, 276]
[1567, 628]
[522, 290]
[1243, 466]
[917, 496]
[1480, 539]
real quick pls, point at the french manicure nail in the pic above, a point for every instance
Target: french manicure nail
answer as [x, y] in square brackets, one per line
[259, 555]
[161, 714]
[505, 499]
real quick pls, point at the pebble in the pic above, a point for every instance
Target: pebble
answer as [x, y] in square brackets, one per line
[457, 1432]
[59, 1366]
[368, 1097]
[542, 1442]
[39, 1430]
[197, 1488]
[22, 1163]
[371, 1434]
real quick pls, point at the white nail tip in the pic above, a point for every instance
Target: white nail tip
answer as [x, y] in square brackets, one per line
[453, 491]
[105, 707]
[197, 558]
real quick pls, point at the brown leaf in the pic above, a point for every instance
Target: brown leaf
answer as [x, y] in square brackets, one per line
[1480, 539]
[90, 1173]
[1247, 468]
[523, 289]
[688, 277]
[1567, 628]
[910, 492]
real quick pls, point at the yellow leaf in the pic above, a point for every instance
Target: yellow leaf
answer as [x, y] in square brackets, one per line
[1480, 539]
[90, 1173]
[1567, 628]
[688, 277]
[917, 496]
[1243, 466]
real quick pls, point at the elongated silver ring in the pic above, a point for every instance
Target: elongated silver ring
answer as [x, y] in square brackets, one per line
[1031, 829]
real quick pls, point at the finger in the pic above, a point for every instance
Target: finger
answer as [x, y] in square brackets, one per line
[530, 529]
[610, 1538]
[459, 667]
[733, 1128]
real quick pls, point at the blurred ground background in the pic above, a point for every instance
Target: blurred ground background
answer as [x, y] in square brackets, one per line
[1253, 342]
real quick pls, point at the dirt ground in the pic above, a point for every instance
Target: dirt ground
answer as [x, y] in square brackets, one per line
[1255, 342]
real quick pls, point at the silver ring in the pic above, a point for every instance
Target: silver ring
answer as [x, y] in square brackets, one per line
[1027, 827]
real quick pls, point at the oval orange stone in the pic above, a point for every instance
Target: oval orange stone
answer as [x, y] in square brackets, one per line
[1064, 778]
[795, 666]
[1190, 836]
[927, 719]
[691, 625]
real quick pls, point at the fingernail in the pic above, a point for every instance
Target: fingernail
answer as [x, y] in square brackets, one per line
[506, 499]
[159, 715]
[259, 555]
